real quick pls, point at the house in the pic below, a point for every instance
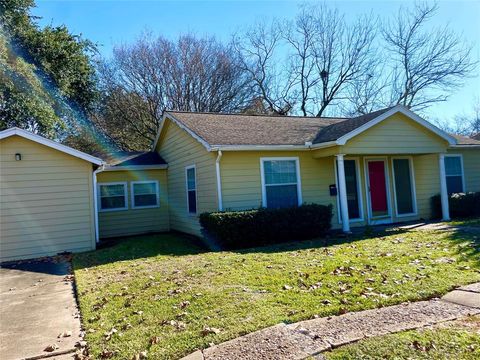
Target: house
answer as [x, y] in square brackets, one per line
[378, 168]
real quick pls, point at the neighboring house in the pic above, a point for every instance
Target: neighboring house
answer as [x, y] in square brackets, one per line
[378, 168]
[476, 137]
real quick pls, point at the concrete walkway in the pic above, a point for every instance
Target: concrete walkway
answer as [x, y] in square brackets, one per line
[312, 337]
[37, 304]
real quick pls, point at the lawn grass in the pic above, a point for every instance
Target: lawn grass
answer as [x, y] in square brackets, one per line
[166, 290]
[459, 340]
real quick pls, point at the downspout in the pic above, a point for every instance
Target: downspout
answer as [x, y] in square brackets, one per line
[95, 201]
[219, 180]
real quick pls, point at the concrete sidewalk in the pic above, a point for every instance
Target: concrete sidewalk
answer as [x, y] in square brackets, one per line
[312, 337]
[37, 303]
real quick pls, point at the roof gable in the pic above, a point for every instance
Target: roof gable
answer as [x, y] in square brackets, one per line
[257, 132]
[50, 143]
[385, 115]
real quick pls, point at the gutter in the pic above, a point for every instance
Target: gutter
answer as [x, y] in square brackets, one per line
[219, 180]
[95, 201]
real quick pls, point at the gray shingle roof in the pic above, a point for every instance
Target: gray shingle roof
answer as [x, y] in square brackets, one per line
[465, 140]
[238, 129]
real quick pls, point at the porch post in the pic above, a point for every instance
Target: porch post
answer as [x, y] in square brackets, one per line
[342, 187]
[443, 189]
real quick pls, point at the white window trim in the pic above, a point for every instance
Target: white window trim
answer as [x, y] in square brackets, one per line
[262, 177]
[359, 191]
[196, 189]
[412, 184]
[462, 168]
[387, 219]
[132, 194]
[124, 183]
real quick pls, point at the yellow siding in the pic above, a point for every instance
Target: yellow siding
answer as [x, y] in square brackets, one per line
[471, 165]
[427, 179]
[241, 179]
[242, 189]
[395, 135]
[134, 221]
[46, 203]
[179, 150]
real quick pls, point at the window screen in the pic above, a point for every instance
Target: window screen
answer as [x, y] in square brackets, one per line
[403, 186]
[191, 190]
[281, 183]
[112, 196]
[145, 194]
[453, 174]
[353, 201]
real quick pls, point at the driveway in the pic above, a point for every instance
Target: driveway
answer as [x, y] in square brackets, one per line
[37, 304]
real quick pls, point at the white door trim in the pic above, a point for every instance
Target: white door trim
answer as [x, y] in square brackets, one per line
[387, 219]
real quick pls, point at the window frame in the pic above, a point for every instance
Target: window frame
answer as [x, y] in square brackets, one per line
[359, 191]
[462, 170]
[99, 195]
[412, 184]
[194, 167]
[264, 185]
[132, 194]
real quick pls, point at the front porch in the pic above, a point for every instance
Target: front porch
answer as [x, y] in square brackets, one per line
[378, 189]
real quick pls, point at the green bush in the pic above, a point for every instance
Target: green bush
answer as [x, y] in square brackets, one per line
[243, 229]
[461, 205]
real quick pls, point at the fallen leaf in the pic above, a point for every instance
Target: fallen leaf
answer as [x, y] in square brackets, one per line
[210, 330]
[154, 340]
[65, 334]
[51, 348]
[107, 354]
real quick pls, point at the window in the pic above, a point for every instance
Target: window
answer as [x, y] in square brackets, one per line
[353, 193]
[280, 182]
[404, 186]
[191, 182]
[454, 173]
[113, 196]
[144, 194]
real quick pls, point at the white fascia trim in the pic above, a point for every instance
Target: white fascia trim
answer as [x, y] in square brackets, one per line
[181, 126]
[461, 146]
[50, 143]
[402, 109]
[135, 167]
[323, 145]
[258, 147]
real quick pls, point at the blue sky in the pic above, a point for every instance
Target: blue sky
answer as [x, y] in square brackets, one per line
[111, 22]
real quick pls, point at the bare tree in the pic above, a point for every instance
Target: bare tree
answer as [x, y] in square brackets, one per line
[153, 74]
[344, 54]
[368, 93]
[257, 49]
[424, 61]
[327, 55]
[465, 124]
[300, 36]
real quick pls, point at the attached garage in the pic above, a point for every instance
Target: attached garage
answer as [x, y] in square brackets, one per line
[46, 197]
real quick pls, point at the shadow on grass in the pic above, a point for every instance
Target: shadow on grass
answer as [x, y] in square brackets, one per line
[178, 244]
[138, 247]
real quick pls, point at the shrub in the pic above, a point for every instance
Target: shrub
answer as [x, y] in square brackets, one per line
[461, 205]
[242, 229]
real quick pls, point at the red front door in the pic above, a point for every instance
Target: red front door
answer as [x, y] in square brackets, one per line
[378, 188]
